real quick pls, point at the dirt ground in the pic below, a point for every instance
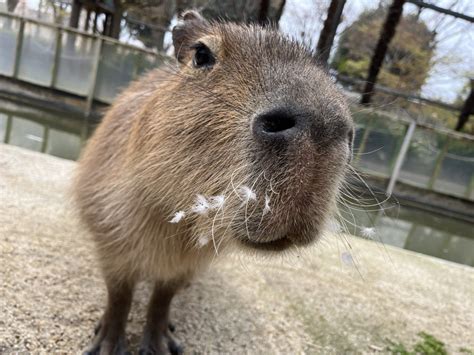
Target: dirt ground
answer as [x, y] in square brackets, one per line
[51, 293]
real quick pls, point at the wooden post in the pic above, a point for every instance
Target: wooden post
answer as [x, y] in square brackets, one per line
[57, 56]
[401, 158]
[326, 38]
[388, 32]
[19, 44]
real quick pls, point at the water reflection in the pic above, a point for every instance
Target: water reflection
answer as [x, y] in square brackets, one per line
[43, 132]
[420, 231]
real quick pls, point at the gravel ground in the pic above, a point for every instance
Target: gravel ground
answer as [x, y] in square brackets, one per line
[51, 293]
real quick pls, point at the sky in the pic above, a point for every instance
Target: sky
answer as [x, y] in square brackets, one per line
[454, 55]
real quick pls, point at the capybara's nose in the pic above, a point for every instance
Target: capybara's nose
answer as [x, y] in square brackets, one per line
[277, 125]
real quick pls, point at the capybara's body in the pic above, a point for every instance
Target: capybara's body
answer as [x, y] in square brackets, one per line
[242, 142]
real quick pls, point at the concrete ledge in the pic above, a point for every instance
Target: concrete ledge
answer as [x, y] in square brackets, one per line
[48, 99]
[52, 293]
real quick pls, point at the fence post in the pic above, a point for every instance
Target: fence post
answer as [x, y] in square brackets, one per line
[8, 129]
[57, 55]
[438, 164]
[401, 157]
[470, 187]
[19, 44]
[44, 145]
[363, 142]
[95, 69]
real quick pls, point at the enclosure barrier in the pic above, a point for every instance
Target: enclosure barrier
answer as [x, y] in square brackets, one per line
[424, 156]
[63, 58]
[96, 68]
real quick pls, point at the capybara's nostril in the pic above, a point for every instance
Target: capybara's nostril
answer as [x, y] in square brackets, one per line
[275, 124]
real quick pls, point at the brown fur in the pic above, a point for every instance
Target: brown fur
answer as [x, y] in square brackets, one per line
[182, 131]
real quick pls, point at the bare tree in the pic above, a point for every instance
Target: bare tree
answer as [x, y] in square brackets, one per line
[326, 38]
[388, 31]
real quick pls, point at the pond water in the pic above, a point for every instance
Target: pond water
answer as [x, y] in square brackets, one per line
[402, 226]
[413, 229]
[43, 131]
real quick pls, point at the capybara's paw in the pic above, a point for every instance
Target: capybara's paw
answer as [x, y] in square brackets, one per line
[106, 343]
[160, 344]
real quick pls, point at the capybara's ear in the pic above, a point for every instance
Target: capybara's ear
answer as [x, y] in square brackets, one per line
[191, 25]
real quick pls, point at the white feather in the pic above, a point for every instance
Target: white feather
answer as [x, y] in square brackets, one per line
[266, 209]
[178, 216]
[202, 241]
[216, 202]
[246, 193]
[201, 205]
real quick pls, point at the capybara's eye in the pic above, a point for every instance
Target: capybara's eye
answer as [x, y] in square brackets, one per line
[203, 57]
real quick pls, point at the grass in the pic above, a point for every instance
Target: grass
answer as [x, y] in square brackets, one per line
[427, 345]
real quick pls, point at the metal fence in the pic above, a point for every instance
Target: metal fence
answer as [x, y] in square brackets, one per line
[96, 68]
[430, 158]
[73, 61]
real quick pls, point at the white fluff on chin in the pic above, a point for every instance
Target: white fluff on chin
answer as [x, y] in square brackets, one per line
[178, 216]
[266, 209]
[217, 202]
[246, 193]
[202, 241]
[201, 205]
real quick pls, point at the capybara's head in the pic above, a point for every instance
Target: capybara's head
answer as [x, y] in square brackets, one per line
[246, 140]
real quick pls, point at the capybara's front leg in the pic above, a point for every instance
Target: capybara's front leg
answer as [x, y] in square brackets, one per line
[110, 333]
[157, 337]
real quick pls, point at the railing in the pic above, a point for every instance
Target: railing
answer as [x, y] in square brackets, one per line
[96, 68]
[435, 159]
[69, 60]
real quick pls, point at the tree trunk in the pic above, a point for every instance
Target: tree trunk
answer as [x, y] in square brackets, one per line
[388, 32]
[11, 5]
[326, 38]
[279, 11]
[75, 14]
[247, 11]
[116, 20]
[88, 20]
[467, 110]
[263, 12]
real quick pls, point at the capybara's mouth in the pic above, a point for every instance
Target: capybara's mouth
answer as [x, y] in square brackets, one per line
[273, 245]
